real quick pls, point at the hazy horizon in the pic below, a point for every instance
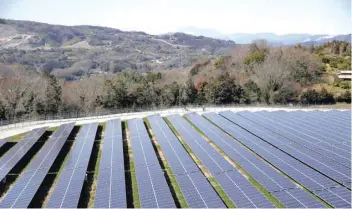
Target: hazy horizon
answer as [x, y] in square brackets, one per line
[163, 16]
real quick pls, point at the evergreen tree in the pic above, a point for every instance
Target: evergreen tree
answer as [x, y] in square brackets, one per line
[53, 95]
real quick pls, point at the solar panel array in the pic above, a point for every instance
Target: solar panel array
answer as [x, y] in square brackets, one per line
[263, 128]
[236, 186]
[111, 187]
[67, 191]
[16, 153]
[297, 133]
[280, 187]
[311, 148]
[306, 176]
[152, 186]
[22, 193]
[194, 186]
[330, 133]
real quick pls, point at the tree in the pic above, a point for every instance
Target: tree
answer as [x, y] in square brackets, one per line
[252, 93]
[253, 48]
[190, 91]
[284, 96]
[223, 90]
[53, 95]
[2, 111]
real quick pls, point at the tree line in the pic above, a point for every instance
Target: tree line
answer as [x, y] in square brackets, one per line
[256, 74]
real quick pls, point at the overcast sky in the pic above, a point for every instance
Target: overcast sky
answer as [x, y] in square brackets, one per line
[162, 16]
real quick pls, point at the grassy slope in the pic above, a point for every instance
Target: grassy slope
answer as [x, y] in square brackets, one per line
[136, 200]
[211, 179]
[181, 199]
[96, 169]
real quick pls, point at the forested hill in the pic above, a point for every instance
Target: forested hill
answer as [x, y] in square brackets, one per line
[253, 74]
[71, 51]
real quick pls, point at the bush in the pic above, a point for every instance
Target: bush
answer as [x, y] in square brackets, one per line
[220, 62]
[284, 96]
[313, 96]
[345, 84]
[344, 97]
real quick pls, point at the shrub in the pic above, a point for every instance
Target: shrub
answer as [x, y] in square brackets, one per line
[313, 96]
[284, 96]
[345, 84]
[344, 97]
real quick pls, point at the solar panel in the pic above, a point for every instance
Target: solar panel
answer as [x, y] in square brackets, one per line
[68, 188]
[152, 186]
[338, 197]
[323, 164]
[333, 122]
[236, 186]
[21, 194]
[3, 141]
[309, 178]
[194, 186]
[298, 130]
[329, 134]
[111, 189]
[15, 154]
[268, 177]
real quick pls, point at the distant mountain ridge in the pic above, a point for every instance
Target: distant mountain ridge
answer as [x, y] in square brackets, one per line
[275, 39]
[77, 50]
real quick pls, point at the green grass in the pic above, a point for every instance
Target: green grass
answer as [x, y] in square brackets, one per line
[135, 193]
[96, 169]
[211, 179]
[18, 137]
[274, 167]
[136, 200]
[176, 188]
[259, 187]
[53, 129]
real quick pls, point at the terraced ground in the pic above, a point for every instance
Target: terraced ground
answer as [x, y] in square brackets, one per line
[282, 159]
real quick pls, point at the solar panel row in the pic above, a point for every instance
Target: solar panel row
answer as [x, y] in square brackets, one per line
[279, 186]
[111, 188]
[3, 141]
[330, 168]
[22, 193]
[236, 186]
[69, 185]
[195, 188]
[152, 186]
[15, 154]
[301, 173]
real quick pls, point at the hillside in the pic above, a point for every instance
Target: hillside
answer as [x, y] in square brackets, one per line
[69, 51]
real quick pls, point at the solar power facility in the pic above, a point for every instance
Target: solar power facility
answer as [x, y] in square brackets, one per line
[246, 159]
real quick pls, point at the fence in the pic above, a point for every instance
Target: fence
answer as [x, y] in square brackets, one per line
[28, 120]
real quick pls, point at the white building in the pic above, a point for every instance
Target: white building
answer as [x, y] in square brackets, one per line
[345, 74]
